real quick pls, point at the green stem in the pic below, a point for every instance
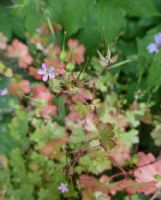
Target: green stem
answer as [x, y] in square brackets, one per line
[50, 27]
[82, 69]
[119, 64]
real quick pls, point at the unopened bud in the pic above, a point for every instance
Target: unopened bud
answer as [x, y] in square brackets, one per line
[63, 55]
[70, 67]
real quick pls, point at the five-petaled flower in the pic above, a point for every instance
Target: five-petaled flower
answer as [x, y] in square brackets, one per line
[47, 72]
[156, 46]
[3, 92]
[63, 188]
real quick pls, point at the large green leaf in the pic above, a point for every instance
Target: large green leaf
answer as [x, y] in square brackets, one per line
[154, 78]
[95, 161]
[20, 176]
[27, 9]
[74, 14]
[19, 127]
[9, 23]
[7, 143]
[90, 27]
[5, 26]
[45, 132]
[143, 8]
[110, 19]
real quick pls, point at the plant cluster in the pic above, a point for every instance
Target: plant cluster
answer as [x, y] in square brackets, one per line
[76, 124]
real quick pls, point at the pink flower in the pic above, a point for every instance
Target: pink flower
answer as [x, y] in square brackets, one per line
[53, 58]
[63, 188]
[19, 50]
[47, 72]
[3, 92]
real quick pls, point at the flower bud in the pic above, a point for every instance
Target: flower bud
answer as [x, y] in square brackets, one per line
[63, 55]
[70, 67]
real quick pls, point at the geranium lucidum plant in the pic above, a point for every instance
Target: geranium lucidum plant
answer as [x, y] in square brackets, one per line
[71, 135]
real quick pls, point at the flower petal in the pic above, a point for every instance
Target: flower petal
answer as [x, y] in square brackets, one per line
[40, 71]
[157, 38]
[51, 75]
[3, 92]
[44, 66]
[51, 69]
[45, 77]
[152, 48]
[63, 188]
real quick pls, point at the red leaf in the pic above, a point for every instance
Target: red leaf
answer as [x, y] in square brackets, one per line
[20, 51]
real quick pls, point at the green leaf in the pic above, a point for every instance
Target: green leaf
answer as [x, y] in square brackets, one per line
[48, 193]
[7, 143]
[144, 8]
[107, 137]
[90, 26]
[78, 134]
[153, 78]
[17, 162]
[129, 138]
[5, 26]
[26, 10]
[41, 163]
[95, 161]
[55, 85]
[81, 109]
[110, 19]
[74, 14]
[156, 135]
[137, 197]
[19, 127]
[134, 116]
[20, 176]
[45, 132]
[31, 22]
[108, 106]
[9, 23]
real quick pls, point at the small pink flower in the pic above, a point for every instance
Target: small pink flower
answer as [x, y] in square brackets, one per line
[47, 72]
[3, 92]
[63, 188]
